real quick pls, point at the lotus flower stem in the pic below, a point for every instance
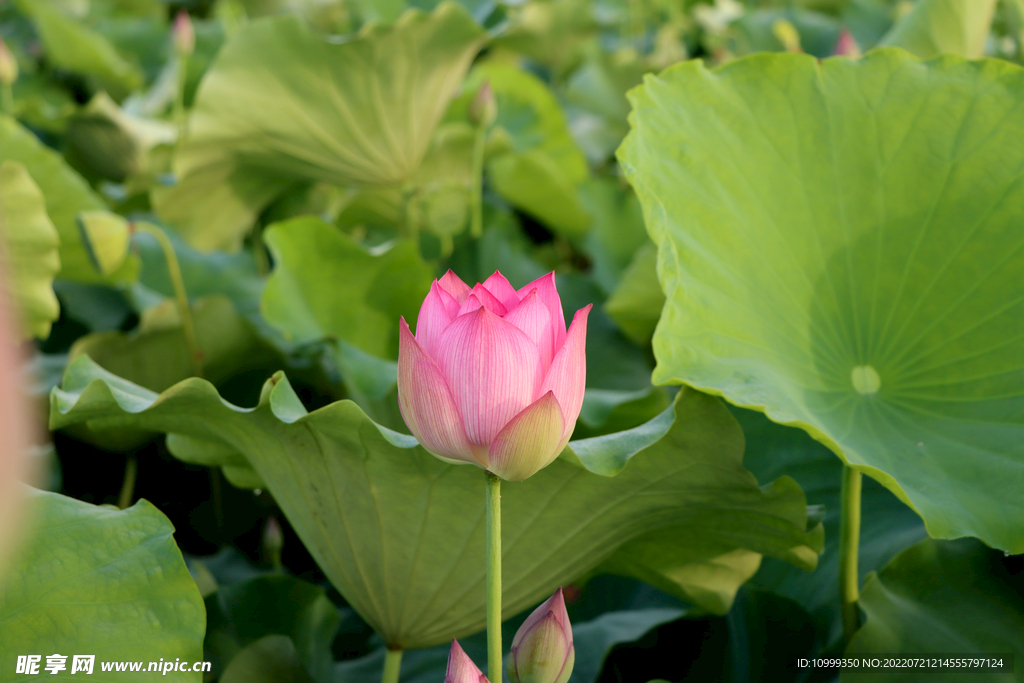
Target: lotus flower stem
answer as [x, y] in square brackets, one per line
[131, 469]
[476, 201]
[849, 542]
[493, 577]
[392, 665]
[184, 309]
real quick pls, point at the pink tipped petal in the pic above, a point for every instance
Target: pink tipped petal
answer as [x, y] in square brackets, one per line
[529, 441]
[493, 369]
[427, 404]
[502, 290]
[545, 287]
[490, 302]
[461, 668]
[454, 285]
[567, 376]
[437, 311]
[531, 316]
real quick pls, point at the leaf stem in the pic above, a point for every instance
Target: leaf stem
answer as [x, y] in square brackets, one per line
[849, 544]
[493, 578]
[184, 309]
[392, 665]
[476, 198]
[180, 116]
[131, 469]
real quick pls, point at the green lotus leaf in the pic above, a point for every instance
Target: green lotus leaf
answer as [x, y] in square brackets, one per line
[28, 249]
[954, 596]
[830, 257]
[401, 534]
[280, 104]
[66, 195]
[617, 228]
[887, 526]
[99, 581]
[935, 27]
[72, 46]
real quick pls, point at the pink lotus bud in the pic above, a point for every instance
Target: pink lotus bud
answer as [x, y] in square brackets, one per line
[8, 65]
[847, 46]
[461, 668]
[542, 651]
[483, 110]
[492, 378]
[184, 35]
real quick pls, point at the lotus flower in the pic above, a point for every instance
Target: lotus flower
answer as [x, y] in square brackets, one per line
[492, 378]
[542, 651]
[461, 668]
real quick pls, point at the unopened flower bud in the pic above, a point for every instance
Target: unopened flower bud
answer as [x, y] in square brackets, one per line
[483, 111]
[273, 541]
[8, 65]
[847, 46]
[184, 35]
[461, 668]
[542, 651]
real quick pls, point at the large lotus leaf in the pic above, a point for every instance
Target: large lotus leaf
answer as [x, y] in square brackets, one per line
[401, 534]
[935, 27]
[100, 581]
[28, 250]
[956, 597]
[281, 103]
[887, 525]
[617, 230]
[66, 195]
[72, 46]
[839, 246]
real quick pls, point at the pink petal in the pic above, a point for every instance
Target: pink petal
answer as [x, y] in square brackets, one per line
[493, 370]
[461, 668]
[567, 376]
[454, 285]
[427, 404]
[545, 286]
[437, 311]
[529, 442]
[532, 317]
[489, 301]
[502, 290]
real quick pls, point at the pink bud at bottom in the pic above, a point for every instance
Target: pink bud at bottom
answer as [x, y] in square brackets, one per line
[542, 650]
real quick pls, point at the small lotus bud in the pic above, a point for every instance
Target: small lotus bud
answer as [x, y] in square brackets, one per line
[484, 109]
[461, 668]
[273, 541]
[8, 65]
[847, 46]
[184, 35]
[787, 34]
[542, 650]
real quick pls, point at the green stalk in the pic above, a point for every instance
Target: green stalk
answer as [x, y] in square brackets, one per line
[131, 469]
[476, 199]
[180, 116]
[849, 542]
[392, 665]
[493, 578]
[174, 269]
